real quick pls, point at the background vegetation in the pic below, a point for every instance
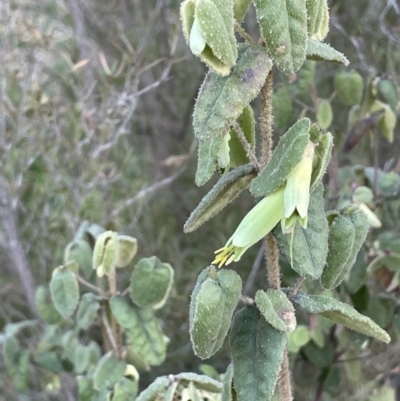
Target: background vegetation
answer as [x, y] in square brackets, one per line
[95, 122]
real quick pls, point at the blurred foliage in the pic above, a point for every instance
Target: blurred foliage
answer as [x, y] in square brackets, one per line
[95, 124]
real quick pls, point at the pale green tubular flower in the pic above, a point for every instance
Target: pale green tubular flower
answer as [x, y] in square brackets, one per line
[255, 225]
[297, 192]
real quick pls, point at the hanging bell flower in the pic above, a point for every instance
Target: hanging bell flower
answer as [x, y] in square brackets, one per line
[297, 192]
[255, 225]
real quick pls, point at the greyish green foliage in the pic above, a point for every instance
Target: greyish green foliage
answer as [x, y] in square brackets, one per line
[237, 153]
[347, 233]
[145, 337]
[222, 100]
[309, 249]
[108, 372]
[151, 283]
[323, 149]
[284, 29]
[224, 192]
[211, 310]
[45, 305]
[257, 353]
[228, 391]
[276, 309]
[215, 20]
[64, 290]
[341, 313]
[286, 156]
[349, 86]
[318, 51]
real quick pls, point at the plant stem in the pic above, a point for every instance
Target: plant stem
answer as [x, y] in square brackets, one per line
[272, 251]
[112, 282]
[89, 285]
[244, 34]
[246, 145]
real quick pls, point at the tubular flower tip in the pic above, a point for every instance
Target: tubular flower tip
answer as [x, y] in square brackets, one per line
[257, 223]
[297, 192]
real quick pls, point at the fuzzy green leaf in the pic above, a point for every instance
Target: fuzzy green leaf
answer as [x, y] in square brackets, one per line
[142, 330]
[228, 187]
[323, 151]
[341, 240]
[240, 8]
[324, 114]
[284, 29]
[125, 390]
[318, 51]
[257, 353]
[127, 248]
[151, 393]
[108, 371]
[211, 310]
[276, 309]
[45, 306]
[310, 245]
[228, 391]
[285, 158]
[79, 250]
[64, 290]
[207, 159]
[341, 313]
[151, 283]
[237, 152]
[87, 311]
[202, 382]
[221, 100]
[349, 87]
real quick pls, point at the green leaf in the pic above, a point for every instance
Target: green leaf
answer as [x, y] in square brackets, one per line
[207, 158]
[349, 87]
[213, 23]
[323, 151]
[79, 356]
[341, 313]
[151, 283]
[170, 393]
[285, 158]
[213, 303]
[221, 100]
[282, 106]
[237, 152]
[125, 390]
[87, 311]
[257, 354]
[216, 22]
[341, 241]
[284, 29]
[298, 338]
[127, 248]
[310, 245]
[357, 274]
[142, 330]
[324, 114]
[49, 360]
[240, 9]
[277, 310]
[387, 89]
[85, 388]
[318, 51]
[159, 385]
[229, 186]
[108, 371]
[105, 253]
[79, 250]
[202, 382]
[64, 290]
[45, 306]
[228, 391]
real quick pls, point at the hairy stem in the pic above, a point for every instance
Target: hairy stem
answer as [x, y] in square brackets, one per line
[243, 34]
[272, 251]
[246, 145]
